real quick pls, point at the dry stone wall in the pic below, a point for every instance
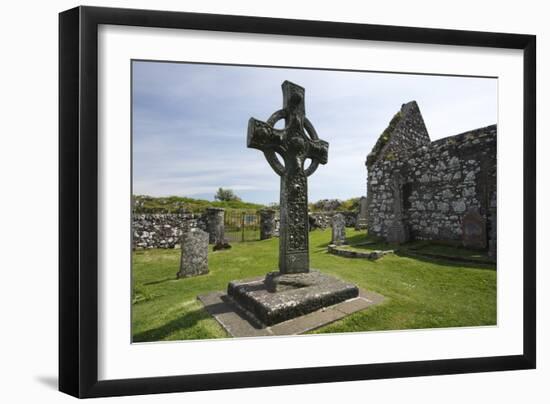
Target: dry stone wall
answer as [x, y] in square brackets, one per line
[163, 230]
[323, 220]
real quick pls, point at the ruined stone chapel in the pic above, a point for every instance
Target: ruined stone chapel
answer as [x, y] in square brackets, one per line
[443, 191]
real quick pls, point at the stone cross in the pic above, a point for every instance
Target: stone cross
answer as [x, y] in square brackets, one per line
[295, 143]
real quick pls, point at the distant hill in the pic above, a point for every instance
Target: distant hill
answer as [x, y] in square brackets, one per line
[181, 204]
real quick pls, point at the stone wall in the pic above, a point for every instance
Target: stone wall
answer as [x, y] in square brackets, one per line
[158, 230]
[430, 187]
[164, 230]
[323, 220]
[405, 132]
[453, 176]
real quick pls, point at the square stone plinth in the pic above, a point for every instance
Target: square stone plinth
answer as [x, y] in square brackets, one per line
[238, 323]
[278, 298]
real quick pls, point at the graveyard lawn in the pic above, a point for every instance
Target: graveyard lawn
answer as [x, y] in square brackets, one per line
[420, 292]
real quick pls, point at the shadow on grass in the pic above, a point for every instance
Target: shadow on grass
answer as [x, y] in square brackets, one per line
[446, 262]
[356, 238]
[361, 238]
[410, 250]
[185, 321]
[159, 281]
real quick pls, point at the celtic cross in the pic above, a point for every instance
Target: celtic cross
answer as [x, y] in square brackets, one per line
[295, 143]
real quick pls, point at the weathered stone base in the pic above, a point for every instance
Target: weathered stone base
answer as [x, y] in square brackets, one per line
[371, 255]
[278, 298]
[237, 322]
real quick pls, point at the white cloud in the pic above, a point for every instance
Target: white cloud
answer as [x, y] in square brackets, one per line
[190, 123]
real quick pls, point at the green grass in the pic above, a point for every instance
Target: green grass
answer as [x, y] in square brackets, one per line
[237, 235]
[448, 251]
[422, 248]
[420, 292]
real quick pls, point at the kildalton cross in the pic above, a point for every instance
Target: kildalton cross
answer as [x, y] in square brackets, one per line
[295, 143]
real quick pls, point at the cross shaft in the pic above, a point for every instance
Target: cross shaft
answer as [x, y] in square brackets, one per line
[295, 143]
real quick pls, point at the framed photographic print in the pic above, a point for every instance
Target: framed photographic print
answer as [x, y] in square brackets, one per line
[250, 201]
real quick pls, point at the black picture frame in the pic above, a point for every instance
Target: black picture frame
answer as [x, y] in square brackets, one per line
[78, 201]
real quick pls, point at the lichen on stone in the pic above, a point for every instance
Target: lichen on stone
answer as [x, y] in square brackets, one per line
[383, 139]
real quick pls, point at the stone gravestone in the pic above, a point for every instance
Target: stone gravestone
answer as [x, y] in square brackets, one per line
[216, 228]
[474, 233]
[338, 229]
[194, 253]
[397, 232]
[267, 223]
[293, 290]
[492, 236]
[215, 224]
[361, 223]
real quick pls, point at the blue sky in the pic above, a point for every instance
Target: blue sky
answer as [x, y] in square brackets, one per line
[190, 121]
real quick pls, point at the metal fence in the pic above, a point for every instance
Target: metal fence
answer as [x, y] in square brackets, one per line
[241, 226]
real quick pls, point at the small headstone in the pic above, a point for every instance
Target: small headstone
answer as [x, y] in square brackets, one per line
[338, 229]
[474, 234]
[194, 253]
[361, 222]
[267, 223]
[492, 235]
[398, 232]
[215, 225]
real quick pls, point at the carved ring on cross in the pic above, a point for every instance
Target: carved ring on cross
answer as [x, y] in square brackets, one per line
[271, 156]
